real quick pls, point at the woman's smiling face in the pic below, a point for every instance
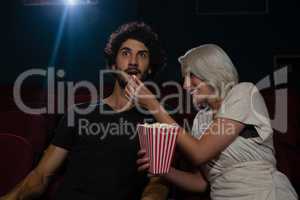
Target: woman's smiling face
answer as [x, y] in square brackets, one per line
[198, 88]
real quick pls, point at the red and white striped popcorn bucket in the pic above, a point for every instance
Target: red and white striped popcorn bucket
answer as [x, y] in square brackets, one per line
[159, 141]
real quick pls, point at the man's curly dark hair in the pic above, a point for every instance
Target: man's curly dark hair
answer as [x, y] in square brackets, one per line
[141, 32]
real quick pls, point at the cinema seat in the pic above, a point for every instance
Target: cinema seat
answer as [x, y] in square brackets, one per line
[30, 127]
[16, 154]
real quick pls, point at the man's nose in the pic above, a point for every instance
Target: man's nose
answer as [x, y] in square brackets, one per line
[133, 60]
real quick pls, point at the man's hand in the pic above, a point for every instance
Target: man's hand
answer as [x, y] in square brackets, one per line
[143, 161]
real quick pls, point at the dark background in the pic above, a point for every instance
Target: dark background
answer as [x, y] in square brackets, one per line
[261, 36]
[254, 33]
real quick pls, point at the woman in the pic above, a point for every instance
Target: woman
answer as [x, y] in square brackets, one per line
[234, 137]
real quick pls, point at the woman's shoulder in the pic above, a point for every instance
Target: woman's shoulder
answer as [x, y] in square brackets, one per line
[243, 87]
[243, 96]
[241, 90]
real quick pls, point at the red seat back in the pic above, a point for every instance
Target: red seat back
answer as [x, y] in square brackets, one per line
[31, 127]
[16, 156]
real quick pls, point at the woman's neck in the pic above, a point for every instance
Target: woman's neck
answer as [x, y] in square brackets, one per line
[215, 105]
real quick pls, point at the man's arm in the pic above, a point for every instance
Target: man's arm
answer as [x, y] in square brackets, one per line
[37, 180]
[157, 189]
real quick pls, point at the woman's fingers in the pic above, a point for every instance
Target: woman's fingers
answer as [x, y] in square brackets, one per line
[136, 80]
[136, 90]
[128, 94]
[130, 89]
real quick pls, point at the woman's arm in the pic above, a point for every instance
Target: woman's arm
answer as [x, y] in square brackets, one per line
[193, 182]
[215, 139]
[220, 134]
[190, 181]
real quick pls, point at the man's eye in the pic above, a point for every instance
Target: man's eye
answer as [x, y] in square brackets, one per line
[125, 53]
[144, 55]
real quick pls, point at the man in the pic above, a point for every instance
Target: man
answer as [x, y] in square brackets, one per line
[103, 165]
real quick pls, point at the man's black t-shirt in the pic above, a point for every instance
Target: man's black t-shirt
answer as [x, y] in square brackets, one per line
[102, 155]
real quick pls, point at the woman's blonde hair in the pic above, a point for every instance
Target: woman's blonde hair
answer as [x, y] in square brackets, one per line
[211, 64]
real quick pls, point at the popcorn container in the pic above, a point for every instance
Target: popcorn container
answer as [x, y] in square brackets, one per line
[159, 141]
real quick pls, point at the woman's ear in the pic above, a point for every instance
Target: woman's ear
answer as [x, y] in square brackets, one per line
[149, 71]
